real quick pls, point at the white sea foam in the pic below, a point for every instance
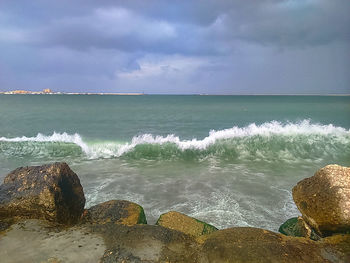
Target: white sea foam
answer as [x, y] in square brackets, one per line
[110, 149]
[55, 137]
[266, 129]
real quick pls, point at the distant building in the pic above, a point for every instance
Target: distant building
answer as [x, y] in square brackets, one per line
[20, 92]
[47, 91]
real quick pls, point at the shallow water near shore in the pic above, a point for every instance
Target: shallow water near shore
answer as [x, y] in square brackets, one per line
[229, 161]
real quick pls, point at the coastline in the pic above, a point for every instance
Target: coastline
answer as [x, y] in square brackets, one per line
[49, 92]
[72, 93]
[117, 230]
[109, 133]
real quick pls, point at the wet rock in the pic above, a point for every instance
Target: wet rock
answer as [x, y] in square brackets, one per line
[38, 241]
[245, 244]
[185, 224]
[118, 255]
[146, 243]
[324, 200]
[339, 243]
[52, 260]
[34, 240]
[297, 227]
[52, 192]
[115, 211]
[6, 223]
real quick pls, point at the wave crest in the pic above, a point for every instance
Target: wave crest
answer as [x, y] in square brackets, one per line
[269, 141]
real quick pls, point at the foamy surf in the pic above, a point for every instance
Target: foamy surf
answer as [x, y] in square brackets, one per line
[271, 140]
[55, 137]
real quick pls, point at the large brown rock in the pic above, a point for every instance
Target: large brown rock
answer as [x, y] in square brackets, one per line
[185, 224]
[52, 192]
[324, 200]
[339, 243]
[146, 243]
[246, 244]
[115, 211]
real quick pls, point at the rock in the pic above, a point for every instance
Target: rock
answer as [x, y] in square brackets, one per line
[112, 242]
[52, 260]
[6, 223]
[297, 227]
[52, 192]
[340, 243]
[146, 243]
[115, 211]
[34, 240]
[185, 224]
[324, 200]
[246, 244]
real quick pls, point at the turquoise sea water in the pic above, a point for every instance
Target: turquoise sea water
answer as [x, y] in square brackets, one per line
[227, 160]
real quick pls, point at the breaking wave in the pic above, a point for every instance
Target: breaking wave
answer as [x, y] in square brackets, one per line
[271, 141]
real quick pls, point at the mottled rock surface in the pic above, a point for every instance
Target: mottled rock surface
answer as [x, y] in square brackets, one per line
[297, 227]
[185, 224]
[52, 192]
[146, 243]
[340, 243]
[115, 211]
[38, 241]
[5, 223]
[324, 200]
[245, 244]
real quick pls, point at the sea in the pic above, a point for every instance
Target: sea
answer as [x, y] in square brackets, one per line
[227, 160]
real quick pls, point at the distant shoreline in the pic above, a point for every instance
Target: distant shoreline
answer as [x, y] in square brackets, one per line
[71, 93]
[141, 94]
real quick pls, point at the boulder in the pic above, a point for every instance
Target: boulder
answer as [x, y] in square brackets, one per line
[115, 211]
[112, 242]
[324, 200]
[297, 227]
[38, 241]
[247, 244]
[51, 192]
[185, 224]
[146, 243]
[339, 243]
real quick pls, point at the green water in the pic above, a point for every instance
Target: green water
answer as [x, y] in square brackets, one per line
[227, 160]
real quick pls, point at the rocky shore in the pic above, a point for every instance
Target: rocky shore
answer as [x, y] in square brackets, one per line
[42, 219]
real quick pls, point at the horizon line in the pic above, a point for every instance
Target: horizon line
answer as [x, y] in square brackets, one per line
[170, 94]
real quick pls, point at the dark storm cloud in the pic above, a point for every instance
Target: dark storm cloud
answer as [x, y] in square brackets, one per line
[181, 26]
[204, 46]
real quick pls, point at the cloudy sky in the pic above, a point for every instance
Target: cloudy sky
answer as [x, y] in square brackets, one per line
[177, 47]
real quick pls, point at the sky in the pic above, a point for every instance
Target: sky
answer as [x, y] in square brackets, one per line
[176, 46]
